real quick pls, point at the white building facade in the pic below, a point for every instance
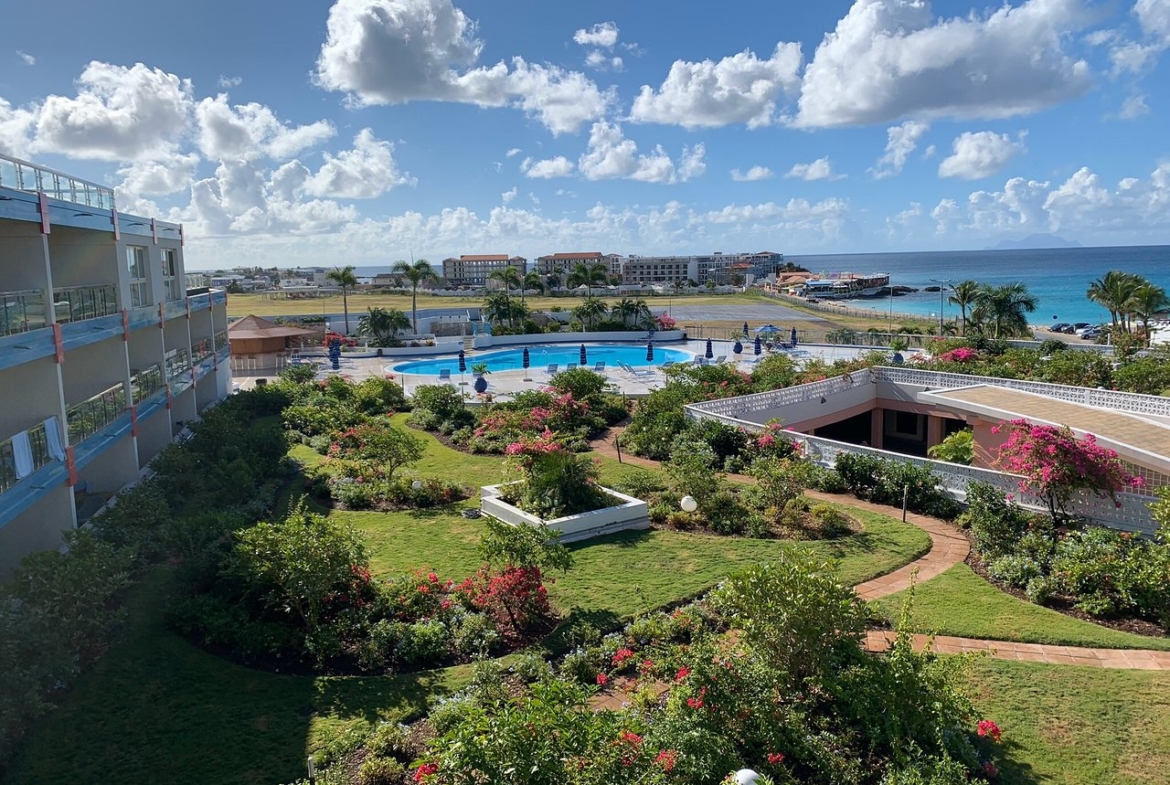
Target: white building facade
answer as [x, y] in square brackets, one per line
[103, 356]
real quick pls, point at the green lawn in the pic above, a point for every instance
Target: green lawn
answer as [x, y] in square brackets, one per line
[959, 602]
[1075, 725]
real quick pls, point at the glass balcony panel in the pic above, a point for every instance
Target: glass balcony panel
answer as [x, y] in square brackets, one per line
[90, 416]
[39, 445]
[75, 303]
[21, 311]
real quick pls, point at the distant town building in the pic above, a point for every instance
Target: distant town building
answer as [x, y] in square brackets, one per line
[475, 270]
[718, 268]
[563, 263]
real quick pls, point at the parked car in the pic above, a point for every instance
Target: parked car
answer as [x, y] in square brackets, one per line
[1082, 325]
[1059, 327]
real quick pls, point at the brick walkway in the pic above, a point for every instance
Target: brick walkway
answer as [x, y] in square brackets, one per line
[948, 547]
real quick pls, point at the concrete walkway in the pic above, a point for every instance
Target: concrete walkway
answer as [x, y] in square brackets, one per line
[948, 547]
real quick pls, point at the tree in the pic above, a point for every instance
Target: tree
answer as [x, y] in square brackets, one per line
[1114, 292]
[508, 276]
[531, 280]
[1145, 303]
[590, 309]
[1004, 309]
[1055, 464]
[587, 275]
[552, 280]
[345, 278]
[383, 325]
[417, 273]
[964, 295]
[499, 308]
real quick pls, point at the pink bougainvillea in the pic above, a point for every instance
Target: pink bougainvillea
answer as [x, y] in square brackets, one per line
[1055, 464]
[962, 354]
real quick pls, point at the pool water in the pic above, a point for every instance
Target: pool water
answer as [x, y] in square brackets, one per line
[540, 357]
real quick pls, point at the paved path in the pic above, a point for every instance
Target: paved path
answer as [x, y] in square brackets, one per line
[948, 547]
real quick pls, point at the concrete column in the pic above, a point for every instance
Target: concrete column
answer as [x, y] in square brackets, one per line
[877, 420]
[934, 430]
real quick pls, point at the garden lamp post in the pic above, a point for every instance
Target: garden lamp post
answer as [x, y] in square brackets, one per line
[688, 503]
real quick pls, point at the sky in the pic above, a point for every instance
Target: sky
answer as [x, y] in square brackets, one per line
[366, 131]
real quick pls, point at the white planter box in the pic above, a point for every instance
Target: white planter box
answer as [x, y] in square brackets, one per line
[627, 513]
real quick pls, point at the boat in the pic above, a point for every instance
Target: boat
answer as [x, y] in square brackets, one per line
[842, 286]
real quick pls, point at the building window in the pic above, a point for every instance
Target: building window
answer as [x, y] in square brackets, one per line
[170, 268]
[139, 288]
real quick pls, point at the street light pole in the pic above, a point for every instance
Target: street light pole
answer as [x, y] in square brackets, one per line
[942, 289]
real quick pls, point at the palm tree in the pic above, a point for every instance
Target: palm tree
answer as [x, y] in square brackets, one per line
[497, 308]
[590, 309]
[508, 276]
[383, 325]
[1113, 292]
[623, 309]
[1146, 302]
[552, 281]
[1005, 308]
[345, 278]
[587, 275]
[532, 280]
[417, 273]
[963, 295]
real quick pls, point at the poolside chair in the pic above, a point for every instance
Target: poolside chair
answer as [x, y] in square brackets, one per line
[445, 376]
[571, 367]
[667, 364]
[552, 368]
[721, 359]
[599, 367]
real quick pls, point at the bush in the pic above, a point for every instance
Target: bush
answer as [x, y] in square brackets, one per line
[889, 482]
[1015, 570]
[581, 383]
[997, 524]
[423, 642]
[959, 448]
[438, 404]
[1111, 573]
[379, 396]
[376, 770]
[830, 522]
[514, 598]
[557, 483]
[642, 484]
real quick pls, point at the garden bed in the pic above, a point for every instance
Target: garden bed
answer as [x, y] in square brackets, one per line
[625, 514]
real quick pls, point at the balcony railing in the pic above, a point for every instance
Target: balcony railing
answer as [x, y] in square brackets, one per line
[146, 383]
[178, 361]
[74, 303]
[90, 416]
[221, 339]
[17, 462]
[22, 311]
[24, 176]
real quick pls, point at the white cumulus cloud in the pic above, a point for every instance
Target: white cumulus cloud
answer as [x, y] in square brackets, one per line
[26, 57]
[751, 175]
[980, 154]
[901, 140]
[1133, 107]
[157, 178]
[603, 62]
[508, 196]
[395, 51]
[119, 114]
[820, 169]
[889, 59]
[366, 171]
[226, 131]
[741, 88]
[16, 126]
[610, 155]
[604, 34]
[547, 169]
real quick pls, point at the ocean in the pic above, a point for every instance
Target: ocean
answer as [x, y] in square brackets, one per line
[1059, 278]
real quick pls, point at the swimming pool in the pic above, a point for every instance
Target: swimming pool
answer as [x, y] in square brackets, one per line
[541, 357]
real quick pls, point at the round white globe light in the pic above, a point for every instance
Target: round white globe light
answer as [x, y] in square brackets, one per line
[417, 485]
[746, 777]
[689, 504]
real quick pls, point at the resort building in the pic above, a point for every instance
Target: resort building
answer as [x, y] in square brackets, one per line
[718, 268]
[476, 269]
[563, 263]
[103, 354]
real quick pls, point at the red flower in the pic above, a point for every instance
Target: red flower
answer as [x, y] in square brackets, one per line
[602, 679]
[424, 771]
[990, 770]
[989, 729]
[775, 757]
[647, 665]
[631, 738]
[432, 577]
[666, 759]
[695, 703]
[683, 672]
[621, 655]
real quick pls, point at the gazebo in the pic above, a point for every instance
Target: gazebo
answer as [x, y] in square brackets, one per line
[260, 344]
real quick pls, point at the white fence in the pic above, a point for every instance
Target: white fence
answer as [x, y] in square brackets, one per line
[637, 336]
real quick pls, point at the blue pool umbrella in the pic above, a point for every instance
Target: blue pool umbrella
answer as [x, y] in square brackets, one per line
[584, 358]
[793, 336]
[767, 329]
[745, 328]
[526, 361]
[738, 348]
[709, 354]
[462, 362]
[759, 347]
[649, 351]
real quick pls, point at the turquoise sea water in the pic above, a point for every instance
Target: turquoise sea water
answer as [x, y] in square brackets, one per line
[540, 357]
[1058, 277]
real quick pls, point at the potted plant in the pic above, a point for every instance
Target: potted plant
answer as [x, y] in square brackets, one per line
[479, 369]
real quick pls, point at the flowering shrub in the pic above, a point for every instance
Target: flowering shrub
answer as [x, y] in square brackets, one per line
[665, 322]
[515, 598]
[1055, 464]
[962, 354]
[570, 420]
[332, 337]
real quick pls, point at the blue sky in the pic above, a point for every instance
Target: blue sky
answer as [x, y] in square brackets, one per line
[367, 130]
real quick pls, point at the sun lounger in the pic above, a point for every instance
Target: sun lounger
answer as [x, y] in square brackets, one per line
[445, 376]
[599, 367]
[721, 359]
[552, 368]
[571, 367]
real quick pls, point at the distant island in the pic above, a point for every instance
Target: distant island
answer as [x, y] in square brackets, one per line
[1035, 242]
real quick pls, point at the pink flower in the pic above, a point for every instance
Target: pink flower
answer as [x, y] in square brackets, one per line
[775, 757]
[666, 759]
[424, 771]
[602, 679]
[683, 672]
[989, 729]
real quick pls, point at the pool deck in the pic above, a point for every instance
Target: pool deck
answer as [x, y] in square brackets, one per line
[504, 384]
